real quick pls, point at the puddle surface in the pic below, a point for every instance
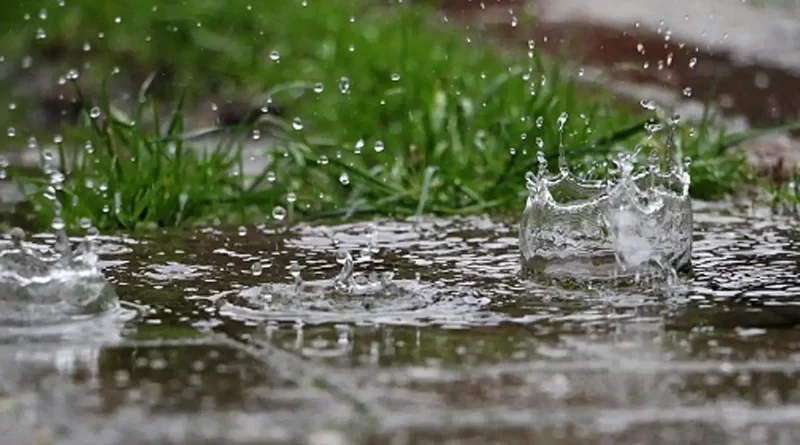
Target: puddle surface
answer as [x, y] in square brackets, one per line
[457, 350]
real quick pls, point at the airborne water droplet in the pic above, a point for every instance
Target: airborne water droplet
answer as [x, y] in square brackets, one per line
[344, 85]
[279, 213]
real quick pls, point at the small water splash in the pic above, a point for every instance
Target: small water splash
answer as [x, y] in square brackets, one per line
[347, 296]
[56, 283]
[636, 223]
[52, 285]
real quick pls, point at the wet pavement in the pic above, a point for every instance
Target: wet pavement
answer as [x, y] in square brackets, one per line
[208, 349]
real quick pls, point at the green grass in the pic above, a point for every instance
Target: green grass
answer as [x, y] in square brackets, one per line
[385, 112]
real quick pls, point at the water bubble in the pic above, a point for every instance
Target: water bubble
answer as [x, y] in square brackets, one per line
[344, 85]
[256, 268]
[279, 213]
[379, 146]
[344, 179]
[297, 124]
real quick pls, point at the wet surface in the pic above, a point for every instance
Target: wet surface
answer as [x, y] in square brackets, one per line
[460, 351]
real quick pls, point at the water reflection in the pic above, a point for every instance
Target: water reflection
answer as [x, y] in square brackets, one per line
[472, 354]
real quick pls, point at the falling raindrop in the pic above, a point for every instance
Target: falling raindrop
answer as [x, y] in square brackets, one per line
[279, 213]
[344, 85]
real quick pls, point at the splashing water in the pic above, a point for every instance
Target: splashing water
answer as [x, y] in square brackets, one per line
[348, 296]
[51, 286]
[635, 225]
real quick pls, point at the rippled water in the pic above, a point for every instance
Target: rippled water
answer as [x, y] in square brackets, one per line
[461, 350]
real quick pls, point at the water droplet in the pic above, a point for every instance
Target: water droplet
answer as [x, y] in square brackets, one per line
[85, 223]
[279, 213]
[344, 85]
[271, 177]
[291, 198]
[297, 124]
[58, 224]
[379, 146]
[359, 146]
[647, 104]
[242, 231]
[395, 77]
[12, 132]
[256, 268]
[94, 113]
[17, 236]
[319, 87]
[275, 56]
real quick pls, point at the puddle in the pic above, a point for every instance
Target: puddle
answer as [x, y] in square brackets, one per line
[460, 350]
